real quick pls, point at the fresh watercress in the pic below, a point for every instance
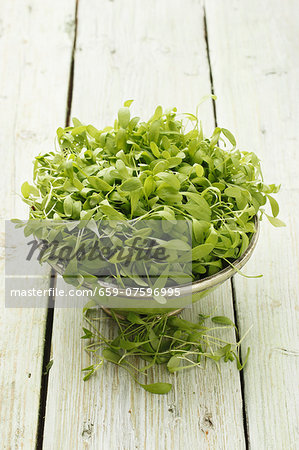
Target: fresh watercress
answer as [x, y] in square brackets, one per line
[163, 168]
[171, 341]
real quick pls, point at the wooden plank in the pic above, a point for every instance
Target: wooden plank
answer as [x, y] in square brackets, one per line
[35, 50]
[154, 52]
[204, 409]
[254, 57]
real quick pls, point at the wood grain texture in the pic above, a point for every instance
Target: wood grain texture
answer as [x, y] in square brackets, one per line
[111, 411]
[254, 56]
[35, 49]
[154, 52]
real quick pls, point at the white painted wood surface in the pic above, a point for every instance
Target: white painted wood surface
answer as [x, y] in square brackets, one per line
[110, 411]
[35, 50]
[254, 51]
[156, 53]
[141, 50]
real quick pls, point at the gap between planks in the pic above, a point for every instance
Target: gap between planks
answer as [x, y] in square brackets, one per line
[233, 290]
[46, 360]
[53, 276]
[72, 68]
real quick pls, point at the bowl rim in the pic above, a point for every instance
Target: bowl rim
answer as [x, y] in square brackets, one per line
[229, 271]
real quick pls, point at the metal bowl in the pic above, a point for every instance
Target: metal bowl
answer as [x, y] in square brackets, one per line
[197, 290]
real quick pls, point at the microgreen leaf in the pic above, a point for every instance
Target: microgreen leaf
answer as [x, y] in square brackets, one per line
[88, 334]
[157, 388]
[128, 103]
[175, 342]
[111, 355]
[173, 363]
[124, 116]
[134, 318]
[275, 221]
[274, 205]
[131, 185]
[241, 366]
[201, 251]
[48, 366]
[98, 184]
[229, 136]
[223, 320]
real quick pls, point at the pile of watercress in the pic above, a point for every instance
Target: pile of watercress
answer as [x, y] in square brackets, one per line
[172, 341]
[159, 169]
